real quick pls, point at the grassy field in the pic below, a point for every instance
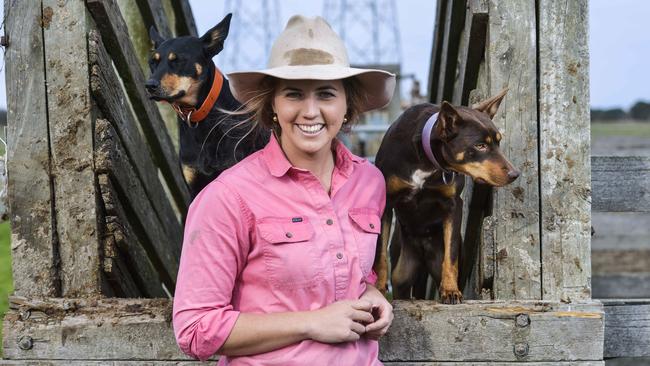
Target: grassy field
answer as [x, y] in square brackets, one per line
[5, 272]
[638, 129]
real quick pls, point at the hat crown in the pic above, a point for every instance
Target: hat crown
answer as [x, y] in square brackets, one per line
[308, 41]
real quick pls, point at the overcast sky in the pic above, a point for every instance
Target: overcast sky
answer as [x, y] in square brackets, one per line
[619, 43]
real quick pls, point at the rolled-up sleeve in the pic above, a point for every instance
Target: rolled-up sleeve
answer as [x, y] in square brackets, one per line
[215, 246]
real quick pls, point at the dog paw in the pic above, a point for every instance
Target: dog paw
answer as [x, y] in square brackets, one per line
[451, 296]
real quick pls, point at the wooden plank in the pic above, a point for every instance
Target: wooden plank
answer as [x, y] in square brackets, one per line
[454, 22]
[488, 331]
[565, 176]
[120, 234]
[472, 332]
[627, 328]
[71, 141]
[153, 13]
[618, 261]
[470, 51]
[620, 183]
[116, 38]
[106, 89]
[92, 329]
[110, 158]
[621, 286]
[510, 62]
[185, 25]
[34, 248]
[436, 50]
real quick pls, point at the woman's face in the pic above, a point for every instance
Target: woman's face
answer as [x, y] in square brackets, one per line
[310, 113]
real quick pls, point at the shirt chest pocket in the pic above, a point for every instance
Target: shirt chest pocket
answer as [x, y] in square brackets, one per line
[290, 253]
[366, 225]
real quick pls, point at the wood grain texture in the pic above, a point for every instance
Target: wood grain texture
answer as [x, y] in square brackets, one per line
[162, 243]
[627, 328]
[510, 62]
[127, 247]
[474, 332]
[71, 122]
[115, 36]
[110, 98]
[34, 249]
[620, 183]
[564, 149]
[621, 286]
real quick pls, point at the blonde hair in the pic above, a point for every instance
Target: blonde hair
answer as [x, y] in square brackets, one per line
[259, 108]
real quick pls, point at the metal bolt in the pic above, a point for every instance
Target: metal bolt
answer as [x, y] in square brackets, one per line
[522, 320]
[521, 349]
[25, 343]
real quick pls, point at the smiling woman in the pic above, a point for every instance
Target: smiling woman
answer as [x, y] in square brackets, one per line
[281, 245]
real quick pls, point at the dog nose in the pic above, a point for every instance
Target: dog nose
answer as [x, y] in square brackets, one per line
[513, 174]
[151, 84]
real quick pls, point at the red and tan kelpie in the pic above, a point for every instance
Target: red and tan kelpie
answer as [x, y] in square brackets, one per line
[184, 75]
[420, 156]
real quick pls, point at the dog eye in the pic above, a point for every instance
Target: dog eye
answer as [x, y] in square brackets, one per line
[481, 147]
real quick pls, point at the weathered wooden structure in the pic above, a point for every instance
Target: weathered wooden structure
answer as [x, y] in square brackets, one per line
[97, 200]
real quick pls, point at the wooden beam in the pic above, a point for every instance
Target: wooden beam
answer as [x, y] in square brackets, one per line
[627, 328]
[621, 286]
[153, 13]
[436, 49]
[185, 25]
[71, 141]
[128, 247]
[110, 98]
[116, 37]
[620, 183]
[564, 123]
[472, 332]
[110, 158]
[510, 62]
[471, 50]
[34, 246]
[454, 22]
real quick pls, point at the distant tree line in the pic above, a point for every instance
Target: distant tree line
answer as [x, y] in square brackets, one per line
[640, 111]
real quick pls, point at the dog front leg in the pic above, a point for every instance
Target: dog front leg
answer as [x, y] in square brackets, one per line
[381, 258]
[449, 292]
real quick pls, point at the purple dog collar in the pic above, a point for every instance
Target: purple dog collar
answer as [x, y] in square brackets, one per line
[426, 145]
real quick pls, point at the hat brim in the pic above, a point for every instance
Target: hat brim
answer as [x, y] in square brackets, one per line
[377, 85]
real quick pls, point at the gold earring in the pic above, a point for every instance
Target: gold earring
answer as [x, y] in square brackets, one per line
[275, 117]
[345, 119]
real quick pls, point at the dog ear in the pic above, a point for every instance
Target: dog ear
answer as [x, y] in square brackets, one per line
[490, 106]
[448, 121]
[214, 38]
[156, 39]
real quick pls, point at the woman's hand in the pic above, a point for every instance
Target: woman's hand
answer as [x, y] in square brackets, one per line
[382, 310]
[342, 321]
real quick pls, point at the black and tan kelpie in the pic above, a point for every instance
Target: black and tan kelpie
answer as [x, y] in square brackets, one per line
[420, 156]
[184, 75]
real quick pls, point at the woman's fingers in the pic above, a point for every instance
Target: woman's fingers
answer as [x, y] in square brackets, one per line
[361, 316]
[364, 305]
[358, 328]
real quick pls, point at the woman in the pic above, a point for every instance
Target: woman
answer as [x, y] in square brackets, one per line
[278, 250]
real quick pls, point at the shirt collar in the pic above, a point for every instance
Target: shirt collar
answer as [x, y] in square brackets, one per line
[279, 165]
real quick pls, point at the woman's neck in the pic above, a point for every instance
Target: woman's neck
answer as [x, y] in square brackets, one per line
[320, 164]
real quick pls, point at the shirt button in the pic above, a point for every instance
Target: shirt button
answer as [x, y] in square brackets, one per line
[339, 255]
[329, 221]
[289, 235]
[372, 226]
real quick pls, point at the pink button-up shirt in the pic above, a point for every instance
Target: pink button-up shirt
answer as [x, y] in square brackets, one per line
[265, 237]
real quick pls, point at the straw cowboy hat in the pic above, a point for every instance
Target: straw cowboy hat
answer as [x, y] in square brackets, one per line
[308, 48]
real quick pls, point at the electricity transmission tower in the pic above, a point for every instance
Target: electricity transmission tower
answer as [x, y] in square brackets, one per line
[254, 26]
[369, 29]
